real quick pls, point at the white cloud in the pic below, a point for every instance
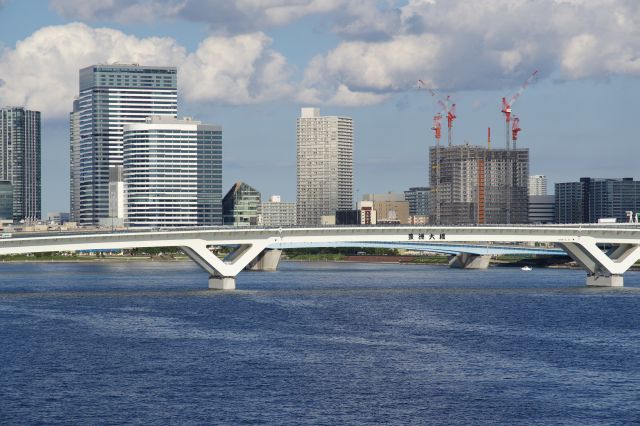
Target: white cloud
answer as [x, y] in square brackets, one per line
[493, 44]
[222, 15]
[236, 70]
[41, 72]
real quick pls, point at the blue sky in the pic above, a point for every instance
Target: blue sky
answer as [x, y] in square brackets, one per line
[249, 65]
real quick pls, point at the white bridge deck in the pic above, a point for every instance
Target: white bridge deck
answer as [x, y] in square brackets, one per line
[584, 243]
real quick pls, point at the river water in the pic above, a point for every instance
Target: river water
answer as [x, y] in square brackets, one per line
[316, 343]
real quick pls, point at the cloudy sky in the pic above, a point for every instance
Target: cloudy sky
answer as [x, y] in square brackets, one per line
[249, 65]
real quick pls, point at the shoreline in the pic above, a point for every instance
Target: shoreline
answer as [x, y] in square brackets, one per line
[360, 259]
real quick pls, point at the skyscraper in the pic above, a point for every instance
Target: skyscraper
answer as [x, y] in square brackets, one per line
[172, 172]
[20, 160]
[74, 162]
[324, 165]
[112, 96]
[537, 185]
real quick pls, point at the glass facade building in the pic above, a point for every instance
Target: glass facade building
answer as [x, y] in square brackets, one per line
[172, 172]
[112, 96]
[324, 165]
[592, 199]
[240, 205]
[6, 200]
[20, 140]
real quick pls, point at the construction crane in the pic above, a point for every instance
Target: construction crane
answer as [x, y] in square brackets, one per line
[508, 105]
[515, 129]
[448, 108]
[437, 128]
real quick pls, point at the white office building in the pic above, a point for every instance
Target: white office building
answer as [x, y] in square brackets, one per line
[275, 213]
[110, 97]
[537, 185]
[324, 165]
[172, 173]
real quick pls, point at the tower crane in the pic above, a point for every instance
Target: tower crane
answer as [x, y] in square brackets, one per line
[508, 105]
[448, 108]
[515, 129]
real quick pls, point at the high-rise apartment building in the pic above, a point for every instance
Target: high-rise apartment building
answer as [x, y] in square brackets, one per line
[478, 185]
[240, 205]
[112, 96]
[172, 173]
[537, 185]
[277, 213]
[324, 165]
[592, 199]
[20, 160]
[74, 162]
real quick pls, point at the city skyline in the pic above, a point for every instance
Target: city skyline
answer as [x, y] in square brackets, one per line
[577, 118]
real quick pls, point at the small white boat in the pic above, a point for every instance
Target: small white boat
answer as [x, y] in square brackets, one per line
[526, 268]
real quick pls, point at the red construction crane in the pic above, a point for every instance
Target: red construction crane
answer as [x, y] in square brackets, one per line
[448, 108]
[437, 128]
[515, 129]
[508, 105]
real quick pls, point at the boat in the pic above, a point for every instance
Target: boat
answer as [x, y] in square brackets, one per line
[526, 268]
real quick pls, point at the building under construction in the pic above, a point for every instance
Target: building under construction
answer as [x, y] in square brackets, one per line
[477, 185]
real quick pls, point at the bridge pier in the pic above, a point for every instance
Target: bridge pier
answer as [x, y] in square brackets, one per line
[266, 261]
[222, 273]
[604, 269]
[469, 261]
[222, 283]
[605, 280]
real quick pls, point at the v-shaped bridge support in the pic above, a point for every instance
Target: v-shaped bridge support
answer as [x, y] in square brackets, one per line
[222, 272]
[604, 269]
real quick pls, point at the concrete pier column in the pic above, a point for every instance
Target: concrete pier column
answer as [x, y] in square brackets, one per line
[266, 261]
[605, 280]
[222, 283]
[469, 261]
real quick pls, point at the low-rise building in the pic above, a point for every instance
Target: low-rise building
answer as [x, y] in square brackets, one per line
[276, 213]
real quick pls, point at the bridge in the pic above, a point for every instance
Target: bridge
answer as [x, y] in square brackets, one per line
[604, 252]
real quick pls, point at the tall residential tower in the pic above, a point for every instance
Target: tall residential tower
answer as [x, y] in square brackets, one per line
[112, 96]
[324, 165]
[20, 160]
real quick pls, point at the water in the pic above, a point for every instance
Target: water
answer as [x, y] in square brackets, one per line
[316, 343]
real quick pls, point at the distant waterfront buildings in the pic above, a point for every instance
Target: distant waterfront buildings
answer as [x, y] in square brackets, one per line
[537, 185]
[364, 214]
[390, 208]
[542, 209]
[172, 173]
[274, 213]
[324, 165]
[419, 199]
[110, 97]
[20, 141]
[592, 199]
[240, 205]
[479, 185]
[58, 218]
